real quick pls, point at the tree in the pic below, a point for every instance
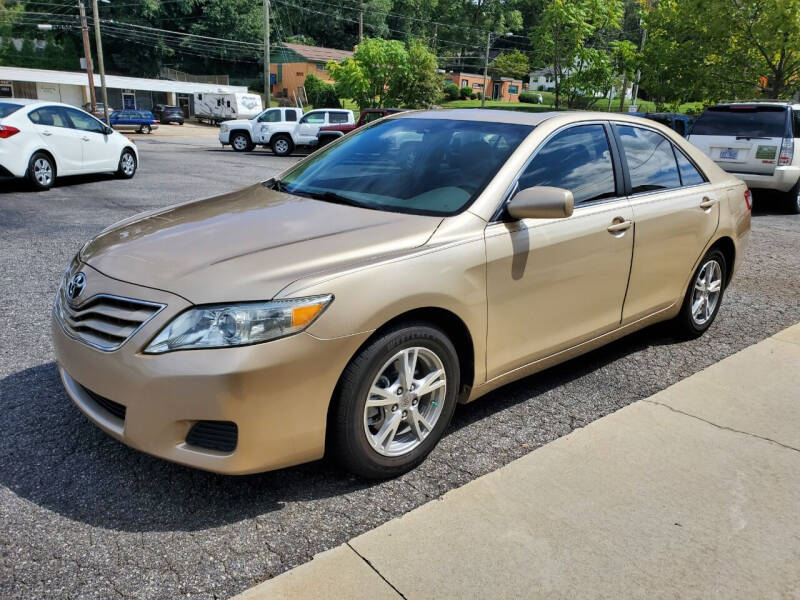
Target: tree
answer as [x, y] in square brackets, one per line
[570, 37]
[511, 64]
[321, 94]
[388, 72]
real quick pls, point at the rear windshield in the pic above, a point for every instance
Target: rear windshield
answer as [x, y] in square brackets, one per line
[6, 108]
[742, 121]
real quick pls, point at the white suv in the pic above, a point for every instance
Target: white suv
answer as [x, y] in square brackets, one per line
[241, 133]
[757, 141]
[44, 140]
[283, 138]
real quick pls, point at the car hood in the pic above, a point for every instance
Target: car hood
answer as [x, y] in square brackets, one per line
[234, 122]
[249, 244]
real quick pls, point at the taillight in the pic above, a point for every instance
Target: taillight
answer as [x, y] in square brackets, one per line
[787, 152]
[748, 199]
[6, 131]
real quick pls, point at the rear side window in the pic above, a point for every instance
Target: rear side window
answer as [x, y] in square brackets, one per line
[6, 108]
[337, 117]
[651, 163]
[291, 114]
[577, 159]
[742, 121]
[49, 115]
[796, 123]
[689, 173]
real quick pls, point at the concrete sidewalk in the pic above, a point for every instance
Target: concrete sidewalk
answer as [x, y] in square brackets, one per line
[691, 493]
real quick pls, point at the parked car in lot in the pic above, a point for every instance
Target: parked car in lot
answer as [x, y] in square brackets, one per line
[240, 133]
[98, 110]
[284, 137]
[676, 121]
[757, 142]
[346, 305]
[332, 132]
[166, 114]
[43, 140]
[142, 121]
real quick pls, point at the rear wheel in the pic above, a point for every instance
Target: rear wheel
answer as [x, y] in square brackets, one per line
[282, 145]
[41, 171]
[240, 142]
[145, 129]
[395, 400]
[704, 296]
[127, 164]
[793, 200]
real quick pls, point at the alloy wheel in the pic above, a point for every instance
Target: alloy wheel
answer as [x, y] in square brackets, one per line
[706, 292]
[405, 401]
[43, 172]
[128, 164]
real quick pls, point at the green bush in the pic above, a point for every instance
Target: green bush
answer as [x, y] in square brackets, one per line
[466, 93]
[451, 91]
[321, 94]
[529, 97]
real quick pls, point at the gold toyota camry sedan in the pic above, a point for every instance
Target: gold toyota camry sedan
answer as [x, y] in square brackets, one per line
[348, 304]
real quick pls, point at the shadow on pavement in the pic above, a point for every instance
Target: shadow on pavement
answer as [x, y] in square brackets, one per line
[11, 185]
[51, 455]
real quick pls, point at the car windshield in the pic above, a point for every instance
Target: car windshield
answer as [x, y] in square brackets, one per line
[412, 165]
[742, 121]
[6, 108]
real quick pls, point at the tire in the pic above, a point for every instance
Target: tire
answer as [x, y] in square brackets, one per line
[692, 321]
[241, 142]
[282, 145]
[41, 172]
[145, 129]
[355, 429]
[325, 140]
[127, 164]
[793, 200]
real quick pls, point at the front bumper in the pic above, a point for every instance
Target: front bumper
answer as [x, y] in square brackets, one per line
[277, 393]
[782, 180]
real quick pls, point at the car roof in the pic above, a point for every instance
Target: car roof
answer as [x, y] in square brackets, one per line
[518, 117]
[784, 103]
[34, 102]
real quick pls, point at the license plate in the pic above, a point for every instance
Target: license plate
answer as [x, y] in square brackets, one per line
[728, 154]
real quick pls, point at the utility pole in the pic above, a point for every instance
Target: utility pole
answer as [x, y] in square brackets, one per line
[360, 27]
[485, 67]
[87, 52]
[267, 66]
[99, 46]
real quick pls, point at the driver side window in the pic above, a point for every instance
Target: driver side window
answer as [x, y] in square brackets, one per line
[577, 159]
[271, 116]
[84, 122]
[315, 118]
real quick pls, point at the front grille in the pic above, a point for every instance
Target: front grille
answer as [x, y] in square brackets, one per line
[117, 410]
[104, 321]
[214, 435]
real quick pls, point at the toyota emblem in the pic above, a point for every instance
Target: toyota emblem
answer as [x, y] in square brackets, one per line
[76, 285]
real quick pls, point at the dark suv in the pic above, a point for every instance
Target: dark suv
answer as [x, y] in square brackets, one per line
[168, 114]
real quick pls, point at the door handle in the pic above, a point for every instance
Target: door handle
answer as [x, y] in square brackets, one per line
[708, 202]
[619, 225]
[47, 133]
[85, 139]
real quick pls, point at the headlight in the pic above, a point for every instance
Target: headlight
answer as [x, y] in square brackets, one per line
[221, 326]
[223, 128]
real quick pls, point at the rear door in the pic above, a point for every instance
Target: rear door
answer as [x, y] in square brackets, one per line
[742, 138]
[54, 129]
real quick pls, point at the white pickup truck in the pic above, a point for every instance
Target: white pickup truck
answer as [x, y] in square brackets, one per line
[284, 136]
[241, 134]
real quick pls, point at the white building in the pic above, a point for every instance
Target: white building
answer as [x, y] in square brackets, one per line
[133, 93]
[543, 80]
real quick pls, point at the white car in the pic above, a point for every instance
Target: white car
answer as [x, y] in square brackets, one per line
[284, 137]
[240, 133]
[44, 140]
[757, 141]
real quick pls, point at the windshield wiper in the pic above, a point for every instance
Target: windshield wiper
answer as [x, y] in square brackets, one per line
[332, 197]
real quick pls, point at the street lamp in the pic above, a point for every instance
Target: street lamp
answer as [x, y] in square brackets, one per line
[486, 61]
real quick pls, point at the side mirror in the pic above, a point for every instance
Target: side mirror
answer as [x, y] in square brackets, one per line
[541, 202]
[108, 130]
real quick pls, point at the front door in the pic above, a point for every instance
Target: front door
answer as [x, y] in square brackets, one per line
[128, 101]
[99, 153]
[308, 127]
[53, 126]
[554, 283]
[676, 213]
[496, 91]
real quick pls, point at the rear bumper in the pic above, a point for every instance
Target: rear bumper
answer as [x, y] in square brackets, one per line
[782, 180]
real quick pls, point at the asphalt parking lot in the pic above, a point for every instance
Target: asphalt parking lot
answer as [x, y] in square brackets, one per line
[85, 517]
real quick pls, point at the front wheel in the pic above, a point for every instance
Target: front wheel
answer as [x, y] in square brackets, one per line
[282, 145]
[704, 296]
[127, 164]
[395, 399]
[240, 142]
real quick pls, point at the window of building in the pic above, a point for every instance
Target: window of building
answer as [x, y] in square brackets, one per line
[465, 83]
[513, 89]
[321, 67]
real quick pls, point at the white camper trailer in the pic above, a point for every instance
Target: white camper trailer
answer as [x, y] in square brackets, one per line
[224, 106]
